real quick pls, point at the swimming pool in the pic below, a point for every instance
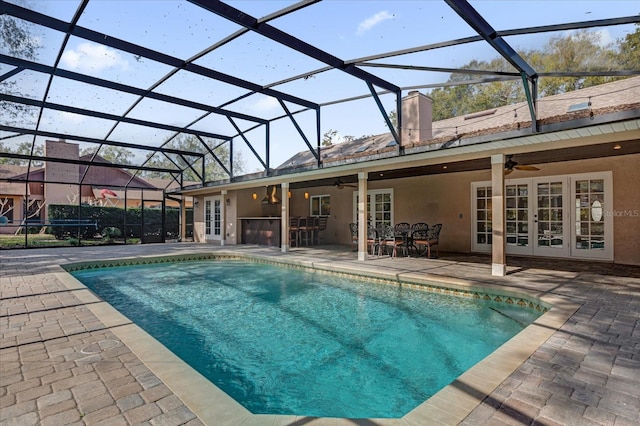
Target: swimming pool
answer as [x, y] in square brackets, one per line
[288, 341]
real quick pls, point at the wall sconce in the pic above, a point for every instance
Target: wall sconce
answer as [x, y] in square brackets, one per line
[617, 146]
[289, 193]
[306, 195]
[228, 202]
[195, 203]
[254, 196]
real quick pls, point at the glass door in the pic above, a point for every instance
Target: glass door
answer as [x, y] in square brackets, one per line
[551, 236]
[213, 218]
[593, 224]
[518, 218]
[379, 207]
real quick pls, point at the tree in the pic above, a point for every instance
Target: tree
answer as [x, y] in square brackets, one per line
[328, 137]
[393, 118]
[17, 39]
[213, 170]
[578, 51]
[113, 154]
[630, 50]
[23, 148]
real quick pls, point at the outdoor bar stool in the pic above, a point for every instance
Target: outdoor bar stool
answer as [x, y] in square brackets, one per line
[322, 225]
[313, 222]
[294, 231]
[304, 230]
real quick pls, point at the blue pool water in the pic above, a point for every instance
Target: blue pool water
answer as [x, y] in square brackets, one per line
[286, 341]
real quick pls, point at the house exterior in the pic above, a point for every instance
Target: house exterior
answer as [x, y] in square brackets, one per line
[582, 202]
[57, 183]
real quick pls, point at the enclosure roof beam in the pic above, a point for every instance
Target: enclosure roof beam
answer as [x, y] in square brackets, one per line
[486, 31]
[241, 18]
[106, 116]
[141, 51]
[108, 84]
[85, 162]
[98, 141]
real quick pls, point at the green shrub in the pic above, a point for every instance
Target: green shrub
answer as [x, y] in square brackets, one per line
[111, 232]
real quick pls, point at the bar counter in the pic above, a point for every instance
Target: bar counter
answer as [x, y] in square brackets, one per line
[264, 231]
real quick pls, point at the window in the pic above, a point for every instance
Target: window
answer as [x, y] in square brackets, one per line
[6, 210]
[320, 205]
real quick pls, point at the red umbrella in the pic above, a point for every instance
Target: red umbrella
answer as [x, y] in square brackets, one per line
[105, 192]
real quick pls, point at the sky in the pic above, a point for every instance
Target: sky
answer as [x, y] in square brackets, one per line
[345, 29]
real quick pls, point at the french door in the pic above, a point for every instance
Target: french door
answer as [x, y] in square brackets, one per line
[379, 207]
[542, 221]
[213, 218]
[550, 217]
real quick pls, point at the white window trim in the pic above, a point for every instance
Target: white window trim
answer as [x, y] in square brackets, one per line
[319, 197]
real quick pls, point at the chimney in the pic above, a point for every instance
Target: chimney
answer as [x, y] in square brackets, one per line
[66, 175]
[417, 118]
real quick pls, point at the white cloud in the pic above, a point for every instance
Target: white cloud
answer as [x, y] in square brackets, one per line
[266, 104]
[93, 58]
[372, 21]
[71, 117]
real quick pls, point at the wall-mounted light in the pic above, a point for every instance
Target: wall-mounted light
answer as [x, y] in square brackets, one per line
[195, 203]
[306, 195]
[228, 202]
[254, 196]
[617, 146]
[289, 194]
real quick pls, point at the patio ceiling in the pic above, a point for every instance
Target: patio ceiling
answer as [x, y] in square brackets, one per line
[189, 68]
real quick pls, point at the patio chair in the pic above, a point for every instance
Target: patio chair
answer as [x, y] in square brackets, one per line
[353, 228]
[428, 239]
[403, 231]
[387, 237]
[373, 240]
[420, 236]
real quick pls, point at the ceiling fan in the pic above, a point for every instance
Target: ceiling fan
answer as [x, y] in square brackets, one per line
[510, 165]
[340, 184]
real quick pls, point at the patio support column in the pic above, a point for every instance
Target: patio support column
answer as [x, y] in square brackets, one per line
[362, 215]
[183, 218]
[498, 244]
[223, 237]
[284, 224]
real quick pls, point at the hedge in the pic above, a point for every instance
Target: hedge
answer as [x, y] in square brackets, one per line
[114, 217]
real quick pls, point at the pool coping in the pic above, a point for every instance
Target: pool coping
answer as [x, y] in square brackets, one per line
[450, 405]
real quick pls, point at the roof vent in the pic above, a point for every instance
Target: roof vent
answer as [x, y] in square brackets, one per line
[582, 106]
[480, 114]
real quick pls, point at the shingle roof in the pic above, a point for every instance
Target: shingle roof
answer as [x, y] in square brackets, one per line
[606, 98]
